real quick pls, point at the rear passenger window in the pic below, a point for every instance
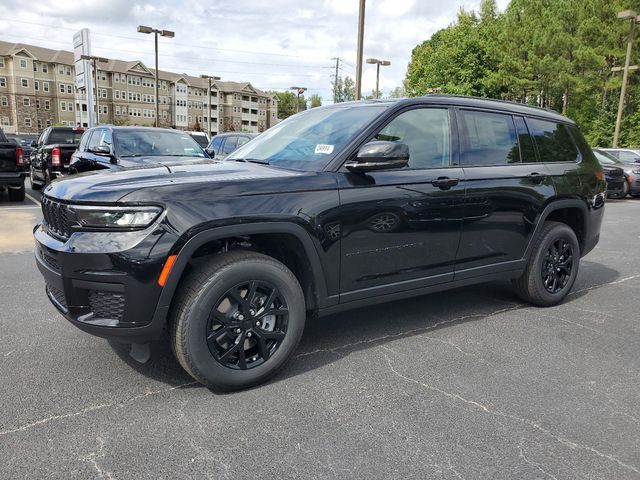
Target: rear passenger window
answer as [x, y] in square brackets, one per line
[229, 145]
[553, 141]
[527, 150]
[242, 141]
[489, 139]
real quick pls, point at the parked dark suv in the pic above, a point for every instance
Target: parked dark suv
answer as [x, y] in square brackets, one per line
[224, 144]
[334, 208]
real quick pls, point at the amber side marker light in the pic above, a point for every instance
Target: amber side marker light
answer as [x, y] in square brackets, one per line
[166, 270]
[600, 175]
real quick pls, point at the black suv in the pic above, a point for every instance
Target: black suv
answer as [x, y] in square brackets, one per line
[334, 208]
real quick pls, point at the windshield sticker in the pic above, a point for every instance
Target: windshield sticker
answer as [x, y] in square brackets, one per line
[326, 149]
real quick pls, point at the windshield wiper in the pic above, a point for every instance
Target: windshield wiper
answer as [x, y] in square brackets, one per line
[252, 160]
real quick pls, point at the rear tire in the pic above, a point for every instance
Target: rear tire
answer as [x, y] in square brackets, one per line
[17, 195]
[552, 267]
[625, 189]
[229, 337]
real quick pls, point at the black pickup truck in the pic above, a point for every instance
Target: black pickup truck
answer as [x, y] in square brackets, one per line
[12, 171]
[51, 154]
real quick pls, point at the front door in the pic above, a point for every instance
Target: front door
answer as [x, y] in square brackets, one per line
[400, 228]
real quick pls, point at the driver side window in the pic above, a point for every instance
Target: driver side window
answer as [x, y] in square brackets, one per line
[426, 131]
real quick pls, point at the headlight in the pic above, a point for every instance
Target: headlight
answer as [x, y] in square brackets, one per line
[116, 217]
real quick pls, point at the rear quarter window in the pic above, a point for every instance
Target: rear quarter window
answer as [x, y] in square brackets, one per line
[553, 140]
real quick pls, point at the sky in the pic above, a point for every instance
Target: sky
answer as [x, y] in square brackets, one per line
[273, 44]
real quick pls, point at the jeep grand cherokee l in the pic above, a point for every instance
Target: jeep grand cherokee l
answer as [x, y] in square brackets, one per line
[334, 208]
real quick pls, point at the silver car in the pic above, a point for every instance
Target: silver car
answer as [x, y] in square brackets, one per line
[626, 159]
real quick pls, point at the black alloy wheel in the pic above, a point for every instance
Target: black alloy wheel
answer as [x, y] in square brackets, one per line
[247, 325]
[558, 263]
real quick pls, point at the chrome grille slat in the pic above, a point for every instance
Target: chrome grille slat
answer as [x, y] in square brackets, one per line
[56, 217]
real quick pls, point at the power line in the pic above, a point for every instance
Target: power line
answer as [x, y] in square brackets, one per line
[245, 52]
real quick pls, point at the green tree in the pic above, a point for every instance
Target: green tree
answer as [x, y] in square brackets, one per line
[344, 89]
[316, 100]
[287, 103]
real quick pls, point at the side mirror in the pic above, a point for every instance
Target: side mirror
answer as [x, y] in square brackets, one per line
[380, 155]
[211, 152]
[101, 150]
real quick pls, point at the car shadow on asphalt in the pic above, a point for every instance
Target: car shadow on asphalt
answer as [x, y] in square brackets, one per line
[334, 337]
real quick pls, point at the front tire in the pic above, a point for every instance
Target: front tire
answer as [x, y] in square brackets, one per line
[552, 267]
[236, 320]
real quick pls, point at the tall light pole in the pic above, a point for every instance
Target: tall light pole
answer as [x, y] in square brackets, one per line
[209, 77]
[164, 33]
[633, 16]
[93, 60]
[359, 53]
[299, 91]
[384, 63]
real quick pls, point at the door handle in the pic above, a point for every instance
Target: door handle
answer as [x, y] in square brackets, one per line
[536, 177]
[445, 183]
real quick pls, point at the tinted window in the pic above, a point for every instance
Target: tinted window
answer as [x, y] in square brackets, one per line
[242, 141]
[94, 141]
[83, 141]
[215, 144]
[490, 139]
[230, 145]
[68, 137]
[527, 151]
[155, 143]
[553, 141]
[426, 132]
[625, 156]
[201, 139]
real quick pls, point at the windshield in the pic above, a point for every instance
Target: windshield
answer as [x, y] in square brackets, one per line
[310, 140]
[605, 158]
[68, 137]
[23, 141]
[155, 143]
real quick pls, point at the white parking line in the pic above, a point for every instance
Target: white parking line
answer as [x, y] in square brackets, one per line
[30, 207]
[32, 199]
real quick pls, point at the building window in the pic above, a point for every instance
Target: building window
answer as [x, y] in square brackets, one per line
[70, 106]
[27, 122]
[103, 92]
[39, 124]
[26, 102]
[24, 82]
[36, 85]
[45, 86]
[60, 69]
[62, 88]
[117, 94]
[45, 68]
[117, 109]
[37, 103]
[1, 62]
[4, 101]
[105, 109]
[23, 63]
[35, 67]
[47, 105]
[5, 121]
[69, 88]
[63, 106]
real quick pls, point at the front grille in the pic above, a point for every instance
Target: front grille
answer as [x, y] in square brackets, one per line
[56, 217]
[58, 296]
[49, 260]
[107, 304]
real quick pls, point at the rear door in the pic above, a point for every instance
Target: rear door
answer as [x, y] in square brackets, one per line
[506, 190]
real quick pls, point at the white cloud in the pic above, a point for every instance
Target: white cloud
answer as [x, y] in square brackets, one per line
[291, 43]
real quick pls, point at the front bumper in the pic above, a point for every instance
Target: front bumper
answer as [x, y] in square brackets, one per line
[108, 293]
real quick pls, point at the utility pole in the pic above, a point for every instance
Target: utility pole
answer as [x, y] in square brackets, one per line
[335, 83]
[164, 33]
[359, 54]
[93, 60]
[633, 16]
[209, 77]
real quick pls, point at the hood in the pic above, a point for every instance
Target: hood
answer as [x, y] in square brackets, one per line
[111, 185]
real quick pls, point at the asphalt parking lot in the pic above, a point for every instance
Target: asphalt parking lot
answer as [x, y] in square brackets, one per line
[463, 384]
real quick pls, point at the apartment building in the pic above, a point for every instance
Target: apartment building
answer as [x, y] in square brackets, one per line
[37, 89]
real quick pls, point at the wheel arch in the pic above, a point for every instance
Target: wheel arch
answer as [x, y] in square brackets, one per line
[309, 272]
[571, 212]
